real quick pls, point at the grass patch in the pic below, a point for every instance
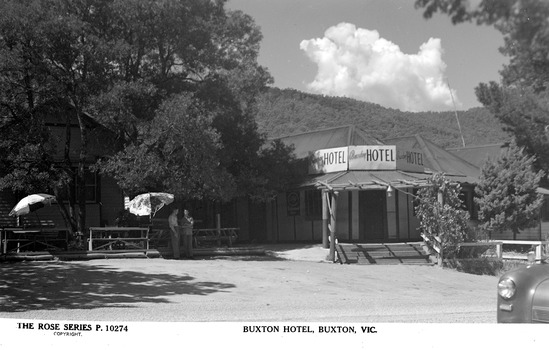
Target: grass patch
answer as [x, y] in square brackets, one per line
[485, 266]
[478, 266]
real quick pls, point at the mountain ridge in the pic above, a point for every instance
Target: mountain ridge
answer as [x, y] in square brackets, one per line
[283, 112]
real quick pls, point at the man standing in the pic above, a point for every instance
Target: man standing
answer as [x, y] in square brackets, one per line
[173, 222]
[187, 223]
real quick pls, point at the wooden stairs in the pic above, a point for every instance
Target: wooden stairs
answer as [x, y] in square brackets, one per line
[383, 254]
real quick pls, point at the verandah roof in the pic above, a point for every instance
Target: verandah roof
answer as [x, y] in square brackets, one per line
[373, 179]
[364, 179]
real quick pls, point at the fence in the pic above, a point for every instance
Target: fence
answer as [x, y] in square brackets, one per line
[540, 249]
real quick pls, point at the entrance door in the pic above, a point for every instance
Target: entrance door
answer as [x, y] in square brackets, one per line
[372, 215]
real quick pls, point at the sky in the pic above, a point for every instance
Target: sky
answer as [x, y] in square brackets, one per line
[379, 51]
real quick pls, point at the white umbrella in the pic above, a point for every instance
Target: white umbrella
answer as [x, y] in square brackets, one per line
[149, 203]
[31, 203]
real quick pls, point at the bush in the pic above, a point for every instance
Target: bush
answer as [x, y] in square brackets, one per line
[440, 214]
[477, 266]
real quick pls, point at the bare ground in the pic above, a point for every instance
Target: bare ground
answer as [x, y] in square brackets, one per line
[291, 283]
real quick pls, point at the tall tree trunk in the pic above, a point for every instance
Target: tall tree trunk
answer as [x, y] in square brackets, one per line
[68, 214]
[80, 173]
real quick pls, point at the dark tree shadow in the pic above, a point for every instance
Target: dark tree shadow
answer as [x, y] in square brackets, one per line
[34, 286]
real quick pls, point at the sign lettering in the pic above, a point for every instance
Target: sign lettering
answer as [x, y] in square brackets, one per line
[372, 157]
[329, 160]
[378, 157]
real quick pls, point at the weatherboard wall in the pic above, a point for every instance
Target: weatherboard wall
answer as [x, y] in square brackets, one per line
[282, 226]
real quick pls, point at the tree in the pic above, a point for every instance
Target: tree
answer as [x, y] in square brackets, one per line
[195, 48]
[524, 114]
[176, 153]
[51, 64]
[520, 101]
[506, 193]
[440, 212]
[525, 30]
[146, 70]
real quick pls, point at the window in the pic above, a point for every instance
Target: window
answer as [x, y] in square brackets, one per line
[313, 204]
[91, 187]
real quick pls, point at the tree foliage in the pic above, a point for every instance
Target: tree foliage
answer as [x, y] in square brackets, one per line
[525, 30]
[440, 212]
[175, 82]
[52, 62]
[506, 193]
[198, 49]
[176, 153]
[520, 100]
[524, 114]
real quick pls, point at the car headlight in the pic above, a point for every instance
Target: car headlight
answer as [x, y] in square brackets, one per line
[506, 288]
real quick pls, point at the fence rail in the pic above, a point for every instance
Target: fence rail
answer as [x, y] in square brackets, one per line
[540, 253]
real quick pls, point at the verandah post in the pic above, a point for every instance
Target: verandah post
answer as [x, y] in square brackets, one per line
[325, 243]
[333, 211]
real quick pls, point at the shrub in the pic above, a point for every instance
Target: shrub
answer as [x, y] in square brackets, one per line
[440, 214]
[507, 196]
[477, 266]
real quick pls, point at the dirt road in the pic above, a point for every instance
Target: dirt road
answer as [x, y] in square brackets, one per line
[244, 289]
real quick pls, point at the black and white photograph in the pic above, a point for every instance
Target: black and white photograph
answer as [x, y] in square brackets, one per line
[268, 173]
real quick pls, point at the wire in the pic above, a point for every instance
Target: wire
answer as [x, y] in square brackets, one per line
[456, 113]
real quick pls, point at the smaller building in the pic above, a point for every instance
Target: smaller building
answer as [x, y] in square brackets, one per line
[104, 198]
[478, 155]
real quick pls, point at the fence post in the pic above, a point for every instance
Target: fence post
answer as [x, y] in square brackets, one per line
[538, 253]
[440, 255]
[499, 250]
[218, 227]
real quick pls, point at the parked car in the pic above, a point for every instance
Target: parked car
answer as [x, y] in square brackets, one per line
[523, 295]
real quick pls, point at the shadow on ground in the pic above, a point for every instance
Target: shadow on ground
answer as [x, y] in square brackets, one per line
[36, 286]
[268, 256]
[284, 247]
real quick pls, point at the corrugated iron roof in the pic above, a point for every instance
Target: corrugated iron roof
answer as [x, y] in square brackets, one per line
[438, 159]
[368, 179]
[349, 135]
[477, 155]
[375, 179]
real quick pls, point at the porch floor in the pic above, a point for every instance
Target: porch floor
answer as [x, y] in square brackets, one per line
[382, 254]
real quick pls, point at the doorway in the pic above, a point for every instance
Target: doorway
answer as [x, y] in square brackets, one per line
[372, 206]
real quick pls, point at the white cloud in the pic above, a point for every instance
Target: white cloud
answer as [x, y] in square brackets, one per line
[358, 63]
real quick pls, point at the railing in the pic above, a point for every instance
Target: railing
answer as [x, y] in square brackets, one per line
[541, 250]
[118, 238]
[540, 253]
[216, 235]
[17, 239]
[202, 237]
[436, 245]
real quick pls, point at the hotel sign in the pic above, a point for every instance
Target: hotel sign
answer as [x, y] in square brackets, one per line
[329, 160]
[410, 160]
[372, 157]
[378, 157]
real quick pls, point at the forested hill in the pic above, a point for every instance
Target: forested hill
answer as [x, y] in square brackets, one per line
[285, 112]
